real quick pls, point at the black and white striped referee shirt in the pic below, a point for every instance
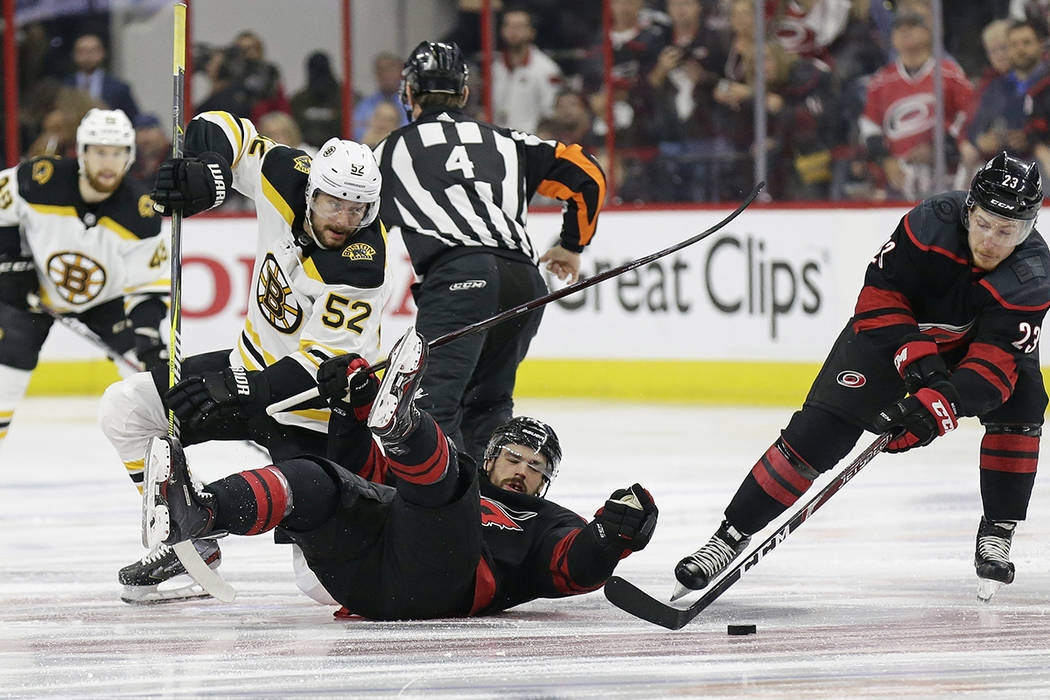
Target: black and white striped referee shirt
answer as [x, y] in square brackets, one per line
[451, 181]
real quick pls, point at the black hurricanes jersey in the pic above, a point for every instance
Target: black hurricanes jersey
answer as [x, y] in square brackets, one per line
[924, 279]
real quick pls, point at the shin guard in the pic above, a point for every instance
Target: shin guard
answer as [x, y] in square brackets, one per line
[776, 481]
[1009, 458]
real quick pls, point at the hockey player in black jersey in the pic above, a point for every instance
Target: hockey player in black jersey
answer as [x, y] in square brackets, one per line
[79, 239]
[458, 191]
[947, 325]
[318, 289]
[445, 540]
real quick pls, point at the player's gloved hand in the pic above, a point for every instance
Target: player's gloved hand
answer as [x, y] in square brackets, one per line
[191, 185]
[916, 420]
[232, 393]
[627, 519]
[919, 363]
[149, 349]
[17, 279]
[347, 388]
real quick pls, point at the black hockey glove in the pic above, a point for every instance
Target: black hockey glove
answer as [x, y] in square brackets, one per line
[919, 363]
[916, 420]
[627, 520]
[191, 185]
[347, 390]
[149, 349]
[17, 279]
[234, 393]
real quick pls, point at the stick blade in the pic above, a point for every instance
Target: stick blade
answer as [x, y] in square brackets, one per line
[209, 580]
[631, 599]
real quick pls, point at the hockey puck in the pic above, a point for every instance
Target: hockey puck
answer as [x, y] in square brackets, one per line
[739, 630]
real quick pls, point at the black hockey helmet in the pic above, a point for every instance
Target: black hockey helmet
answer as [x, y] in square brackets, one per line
[434, 67]
[1008, 187]
[531, 433]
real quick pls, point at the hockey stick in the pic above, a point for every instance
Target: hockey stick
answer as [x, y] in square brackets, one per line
[75, 325]
[629, 598]
[536, 303]
[211, 582]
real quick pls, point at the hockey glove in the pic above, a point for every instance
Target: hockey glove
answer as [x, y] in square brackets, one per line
[149, 349]
[919, 363]
[627, 520]
[233, 393]
[916, 420]
[191, 185]
[347, 389]
[17, 279]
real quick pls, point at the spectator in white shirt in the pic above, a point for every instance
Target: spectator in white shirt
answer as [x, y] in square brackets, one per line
[525, 81]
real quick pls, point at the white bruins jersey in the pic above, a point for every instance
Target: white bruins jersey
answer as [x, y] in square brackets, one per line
[306, 303]
[85, 254]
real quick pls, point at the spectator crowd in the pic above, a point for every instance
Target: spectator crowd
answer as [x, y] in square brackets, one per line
[849, 92]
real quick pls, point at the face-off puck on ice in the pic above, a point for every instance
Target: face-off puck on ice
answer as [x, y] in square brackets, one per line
[740, 630]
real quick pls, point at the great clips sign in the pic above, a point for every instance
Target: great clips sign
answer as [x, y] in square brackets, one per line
[774, 285]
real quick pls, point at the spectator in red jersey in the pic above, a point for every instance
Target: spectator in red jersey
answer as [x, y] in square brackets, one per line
[900, 110]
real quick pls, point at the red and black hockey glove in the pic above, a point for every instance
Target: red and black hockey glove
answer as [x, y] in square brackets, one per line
[919, 363]
[920, 418]
[346, 389]
[627, 520]
[191, 185]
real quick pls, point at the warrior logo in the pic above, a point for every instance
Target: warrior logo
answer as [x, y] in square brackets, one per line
[495, 514]
[77, 278]
[274, 296]
[851, 379]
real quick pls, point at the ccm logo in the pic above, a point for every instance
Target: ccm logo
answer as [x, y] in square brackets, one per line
[468, 284]
[941, 411]
[851, 379]
[900, 358]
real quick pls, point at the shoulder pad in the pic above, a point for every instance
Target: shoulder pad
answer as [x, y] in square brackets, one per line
[131, 207]
[286, 171]
[1022, 281]
[49, 180]
[936, 224]
[360, 263]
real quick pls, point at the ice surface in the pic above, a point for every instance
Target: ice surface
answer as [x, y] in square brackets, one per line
[875, 596]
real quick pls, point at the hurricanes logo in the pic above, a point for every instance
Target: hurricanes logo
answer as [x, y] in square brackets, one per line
[851, 379]
[274, 296]
[42, 171]
[359, 251]
[302, 164]
[495, 514]
[909, 116]
[77, 278]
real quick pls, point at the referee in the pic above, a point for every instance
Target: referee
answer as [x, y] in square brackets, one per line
[458, 190]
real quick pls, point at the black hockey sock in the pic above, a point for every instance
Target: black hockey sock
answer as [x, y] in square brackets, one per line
[1009, 458]
[776, 481]
[298, 494]
[425, 467]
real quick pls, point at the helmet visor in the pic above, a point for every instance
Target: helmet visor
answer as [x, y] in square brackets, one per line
[1000, 229]
[536, 462]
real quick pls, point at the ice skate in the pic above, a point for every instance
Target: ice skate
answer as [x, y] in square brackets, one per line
[992, 557]
[696, 571]
[175, 507]
[393, 414]
[159, 577]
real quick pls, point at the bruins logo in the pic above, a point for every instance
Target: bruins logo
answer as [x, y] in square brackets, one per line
[302, 164]
[77, 278]
[273, 293]
[146, 207]
[42, 171]
[359, 251]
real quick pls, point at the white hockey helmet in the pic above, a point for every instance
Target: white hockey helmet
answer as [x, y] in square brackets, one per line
[105, 127]
[347, 170]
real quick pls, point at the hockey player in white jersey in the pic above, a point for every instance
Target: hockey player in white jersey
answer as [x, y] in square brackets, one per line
[318, 290]
[81, 239]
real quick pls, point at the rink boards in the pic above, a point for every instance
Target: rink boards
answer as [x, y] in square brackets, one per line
[745, 316]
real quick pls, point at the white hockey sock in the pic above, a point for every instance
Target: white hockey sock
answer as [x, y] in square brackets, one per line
[13, 383]
[130, 413]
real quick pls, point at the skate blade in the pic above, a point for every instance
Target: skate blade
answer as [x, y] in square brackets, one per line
[680, 591]
[174, 590]
[384, 409]
[986, 588]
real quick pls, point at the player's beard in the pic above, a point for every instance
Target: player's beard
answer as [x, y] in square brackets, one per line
[102, 187]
